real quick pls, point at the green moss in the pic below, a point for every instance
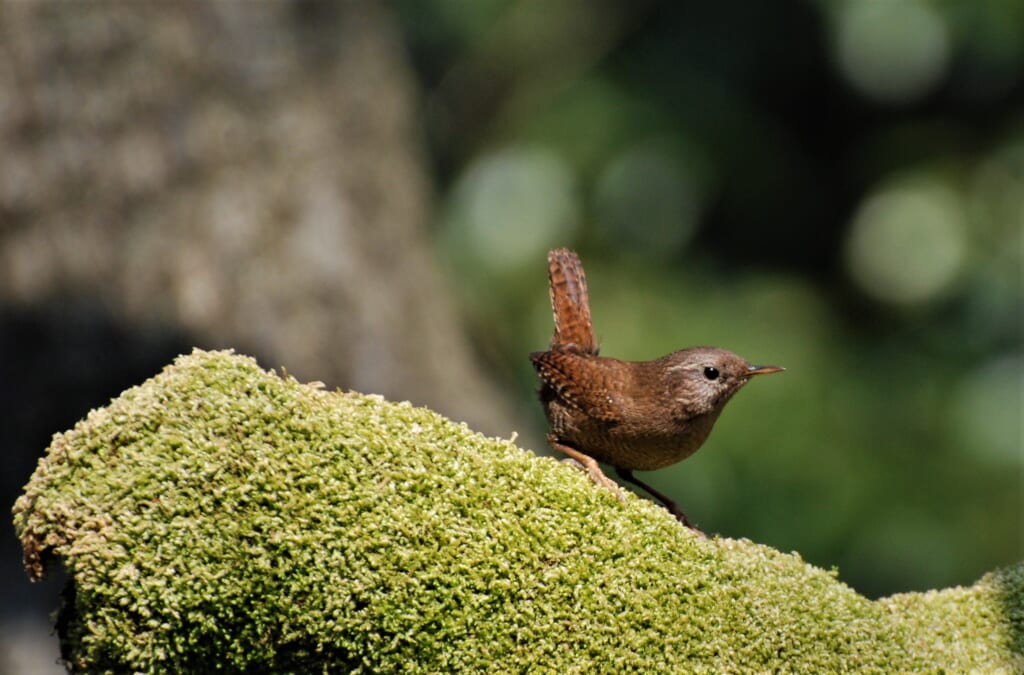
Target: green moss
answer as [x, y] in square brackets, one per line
[219, 515]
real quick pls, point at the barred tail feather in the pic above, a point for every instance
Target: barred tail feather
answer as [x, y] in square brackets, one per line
[570, 304]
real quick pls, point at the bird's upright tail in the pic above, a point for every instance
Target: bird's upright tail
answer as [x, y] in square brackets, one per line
[570, 304]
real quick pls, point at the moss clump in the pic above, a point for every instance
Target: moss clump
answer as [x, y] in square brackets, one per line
[219, 515]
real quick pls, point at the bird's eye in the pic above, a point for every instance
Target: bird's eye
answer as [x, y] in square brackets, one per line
[711, 373]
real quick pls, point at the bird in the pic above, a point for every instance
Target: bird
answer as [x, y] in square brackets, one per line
[631, 415]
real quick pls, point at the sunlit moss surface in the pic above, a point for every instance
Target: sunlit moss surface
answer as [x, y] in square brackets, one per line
[219, 516]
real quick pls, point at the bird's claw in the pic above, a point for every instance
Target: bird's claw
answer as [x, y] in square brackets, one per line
[596, 475]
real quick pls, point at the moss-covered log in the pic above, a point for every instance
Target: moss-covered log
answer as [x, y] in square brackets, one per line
[219, 516]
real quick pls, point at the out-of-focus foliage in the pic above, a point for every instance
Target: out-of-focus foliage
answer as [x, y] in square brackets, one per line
[835, 187]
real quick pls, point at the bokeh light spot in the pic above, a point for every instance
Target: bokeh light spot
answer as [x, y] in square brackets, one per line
[647, 199]
[892, 51]
[512, 205]
[987, 412]
[907, 244]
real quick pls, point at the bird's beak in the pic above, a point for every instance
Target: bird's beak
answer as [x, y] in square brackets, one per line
[764, 370]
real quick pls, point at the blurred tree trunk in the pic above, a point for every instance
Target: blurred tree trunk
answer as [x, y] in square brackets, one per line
[243, 174]
[246, 174]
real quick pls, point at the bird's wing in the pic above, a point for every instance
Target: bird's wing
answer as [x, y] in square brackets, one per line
[563, 372]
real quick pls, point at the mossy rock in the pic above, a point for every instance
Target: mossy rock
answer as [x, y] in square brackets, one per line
[219, 517]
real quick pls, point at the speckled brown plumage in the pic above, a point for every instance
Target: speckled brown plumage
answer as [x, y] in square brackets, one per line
[570, 303]
[633, 415]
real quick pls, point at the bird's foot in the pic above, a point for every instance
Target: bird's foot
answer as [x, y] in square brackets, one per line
[670, 504]
[594, 471]
[674, 509]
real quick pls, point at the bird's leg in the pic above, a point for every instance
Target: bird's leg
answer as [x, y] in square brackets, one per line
[589, 464]
[671, 505]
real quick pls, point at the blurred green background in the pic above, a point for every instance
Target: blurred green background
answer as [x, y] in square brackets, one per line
[364, 192]
[836, 187]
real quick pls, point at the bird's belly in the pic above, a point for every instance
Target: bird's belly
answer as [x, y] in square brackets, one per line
[643, 453]
[629, 447]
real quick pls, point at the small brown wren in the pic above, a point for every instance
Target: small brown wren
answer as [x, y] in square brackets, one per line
[633, 415]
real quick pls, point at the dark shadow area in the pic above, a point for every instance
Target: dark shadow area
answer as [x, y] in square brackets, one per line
[61, 360]
[1010, 584]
